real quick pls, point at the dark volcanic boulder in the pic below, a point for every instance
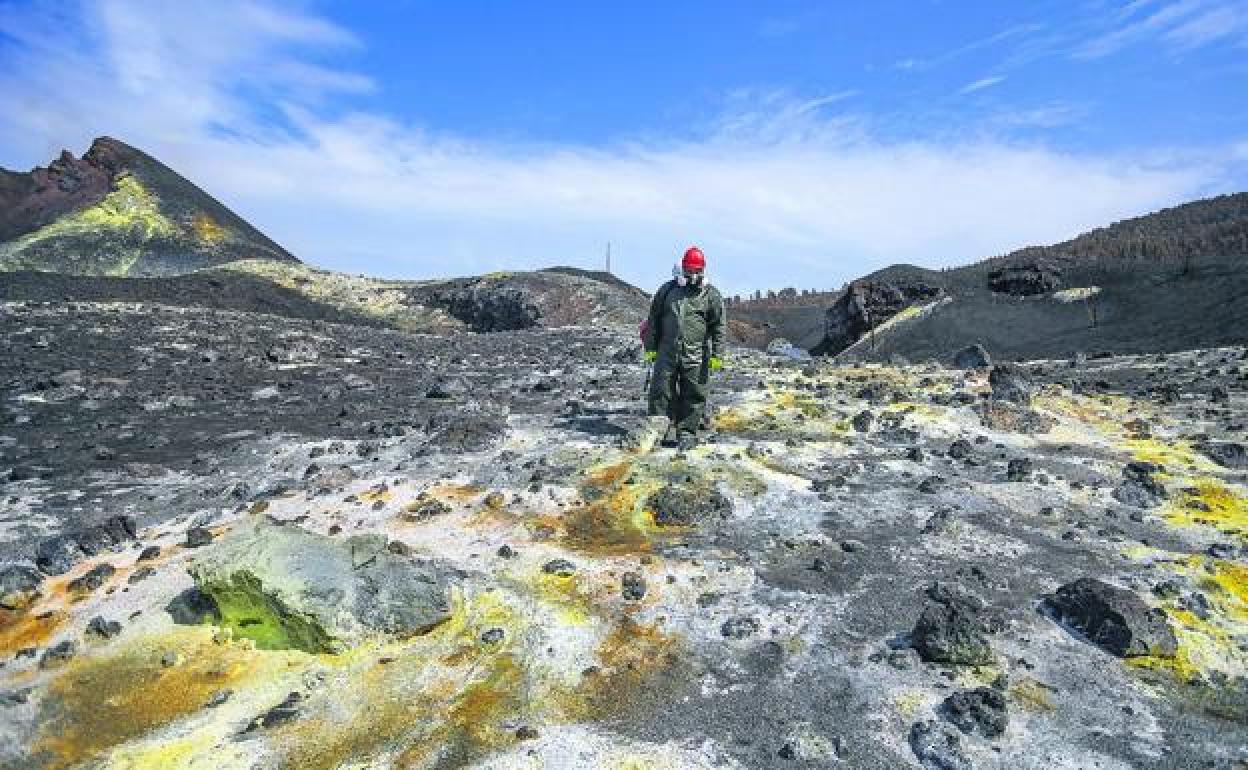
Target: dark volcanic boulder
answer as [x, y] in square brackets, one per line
[486, 306]
[18, 585]
[1226, 454]
[1113, 618]
[865, 306]
[57, 554]
[938, 746]
[1025, 280]
[1010, 383]
[1139, 488]
[687, 505]
[981, 710]
[972, 357]
[953, 628]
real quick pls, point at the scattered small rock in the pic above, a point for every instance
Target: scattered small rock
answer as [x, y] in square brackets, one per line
[100, 628]
[740, 628]
[1010, 383]
[425, 507]
[1018, 469]
[198, 537]
[92, 579]
[687, 505]
[58, 654]
[938, 746]
[19, 585]
[981, 711]
[560, 567]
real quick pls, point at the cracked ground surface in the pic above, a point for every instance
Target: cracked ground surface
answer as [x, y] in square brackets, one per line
[751, 603]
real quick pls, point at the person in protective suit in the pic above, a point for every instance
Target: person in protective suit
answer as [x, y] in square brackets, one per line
[684, 339]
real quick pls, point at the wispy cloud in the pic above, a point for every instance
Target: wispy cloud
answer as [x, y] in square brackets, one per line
[780, 190]
[988, 41]
[1180, 25]
[981, 84]
[1051, 115]
[1210, 26]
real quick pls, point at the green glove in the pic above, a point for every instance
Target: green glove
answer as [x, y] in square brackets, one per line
[716, 363]
[652, 356]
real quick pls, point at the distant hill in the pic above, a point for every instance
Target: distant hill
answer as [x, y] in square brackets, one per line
[1171, 280]
[118, 211]
[485, 303]
[1211, 226]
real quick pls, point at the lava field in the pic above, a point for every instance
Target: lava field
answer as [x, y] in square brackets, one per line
[234, 540]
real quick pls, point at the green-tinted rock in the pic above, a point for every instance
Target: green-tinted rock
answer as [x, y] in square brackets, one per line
[287, 588]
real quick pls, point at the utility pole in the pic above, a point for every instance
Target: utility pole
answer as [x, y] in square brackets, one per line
[608, 257]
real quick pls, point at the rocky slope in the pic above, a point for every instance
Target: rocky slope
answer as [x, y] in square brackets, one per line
[1171, 280]
[118, 211]
[1097, 306]
[493, 302]
[237, 540]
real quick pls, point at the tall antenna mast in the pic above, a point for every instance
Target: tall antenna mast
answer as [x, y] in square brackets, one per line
[608, 257]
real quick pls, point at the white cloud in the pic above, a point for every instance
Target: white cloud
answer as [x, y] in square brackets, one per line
[1180, 25]
[981, 84]
[780, 191]
[1213, 25]
[1051, 115]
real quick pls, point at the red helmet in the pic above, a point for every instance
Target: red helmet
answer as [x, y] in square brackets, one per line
[694, 260]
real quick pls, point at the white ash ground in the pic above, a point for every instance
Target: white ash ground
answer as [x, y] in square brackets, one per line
[775, 636]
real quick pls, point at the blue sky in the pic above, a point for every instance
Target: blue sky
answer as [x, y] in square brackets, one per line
[799, 143]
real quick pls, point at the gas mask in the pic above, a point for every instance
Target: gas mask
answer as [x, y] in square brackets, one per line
[684, 278]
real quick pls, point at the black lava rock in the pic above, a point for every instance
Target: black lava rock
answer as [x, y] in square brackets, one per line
[938, 746]
[1226, 454]
[280, 714]
[1115, 619]
[1018, 469]
[192, 607]
[953, 628]
[1025, 280]
[981, 711]
[1140, 489]
[739, 628]
[560, 567]
[198, 537]
[972, 357]
[58, 654]
[1010, 383]
[100, 628]
[687, 505]
[632, 586]
[18, 583]
[58, 554]
[92, 579]
[961, 449]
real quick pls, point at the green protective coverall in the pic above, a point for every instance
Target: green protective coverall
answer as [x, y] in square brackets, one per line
[686, 328]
